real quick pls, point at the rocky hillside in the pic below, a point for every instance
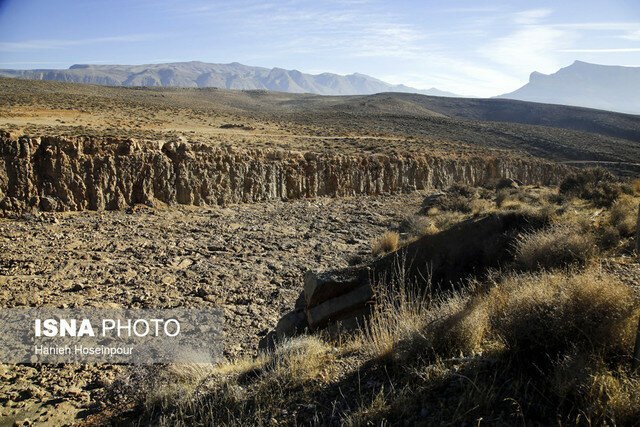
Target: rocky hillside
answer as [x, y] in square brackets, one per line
[605, 87]
[59, 174]
[225, 76]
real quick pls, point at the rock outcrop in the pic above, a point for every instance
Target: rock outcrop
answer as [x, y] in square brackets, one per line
[342, 299]
[79, 173]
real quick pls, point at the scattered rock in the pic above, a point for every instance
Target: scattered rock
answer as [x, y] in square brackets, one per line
[48, 204]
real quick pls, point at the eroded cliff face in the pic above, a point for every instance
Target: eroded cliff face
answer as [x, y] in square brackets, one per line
[55, 173]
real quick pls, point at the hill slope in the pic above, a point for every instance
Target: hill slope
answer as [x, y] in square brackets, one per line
[583, 84]
[388, 122]
[225, 76]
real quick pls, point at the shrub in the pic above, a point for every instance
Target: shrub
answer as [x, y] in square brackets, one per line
[462, 190]
[458, 198]
[609, 237]
[456, 203]
[547, 314]
[554, 247]
[388, 242]
[597, 185]
[502, 196]
[418, 225]
[623, 216]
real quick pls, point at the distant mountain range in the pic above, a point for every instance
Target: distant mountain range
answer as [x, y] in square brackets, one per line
[606, 87]
[226, 76]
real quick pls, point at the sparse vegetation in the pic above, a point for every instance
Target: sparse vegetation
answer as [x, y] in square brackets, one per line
[551, 347]
[388, 242]
[551, 344]
[418, 225]
[596, 185]
[623, 216]
[302, 121]
[459, 198]
[545, 340]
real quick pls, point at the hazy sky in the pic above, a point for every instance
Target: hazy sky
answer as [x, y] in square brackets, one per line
[481, 48]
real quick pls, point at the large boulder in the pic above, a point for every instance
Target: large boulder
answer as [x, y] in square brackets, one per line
[48, 204]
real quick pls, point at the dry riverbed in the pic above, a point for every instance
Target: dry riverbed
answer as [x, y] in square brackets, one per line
[247, 259]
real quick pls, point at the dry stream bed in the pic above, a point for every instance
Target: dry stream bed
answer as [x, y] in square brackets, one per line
[247, 259]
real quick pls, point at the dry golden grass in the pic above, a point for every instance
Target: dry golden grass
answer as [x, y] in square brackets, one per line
[636, 187]
[540, 315]
[554, 247]
[388, 242]
[551, 337]
[418, 226]
[611, 394]
[524, 311]
[175, 385]
[557, 343]
[399, 316]
[623, 216]
[549, 345]
[220, 395]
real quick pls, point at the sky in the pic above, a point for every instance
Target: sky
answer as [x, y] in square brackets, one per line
[472, 48]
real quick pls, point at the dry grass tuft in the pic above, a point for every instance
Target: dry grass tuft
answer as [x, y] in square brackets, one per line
[623, 216]
[550, 313]
[636, 186]
[503, 196]
[554, 247]
[398, 316]
[219, 395]
[388, 242]
[418, 226]
[611, 395]
[173, 385]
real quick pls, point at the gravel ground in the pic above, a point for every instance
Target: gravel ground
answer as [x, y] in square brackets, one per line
[247, 259]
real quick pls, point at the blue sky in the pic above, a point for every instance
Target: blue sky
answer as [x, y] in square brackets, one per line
[480, 48]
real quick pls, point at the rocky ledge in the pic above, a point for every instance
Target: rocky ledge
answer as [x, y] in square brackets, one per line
[80, 173]
[342, 299]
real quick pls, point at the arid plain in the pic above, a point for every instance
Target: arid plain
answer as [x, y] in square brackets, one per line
[166, 197]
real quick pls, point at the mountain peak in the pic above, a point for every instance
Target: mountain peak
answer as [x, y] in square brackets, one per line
[536, 76]
[605, 87]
